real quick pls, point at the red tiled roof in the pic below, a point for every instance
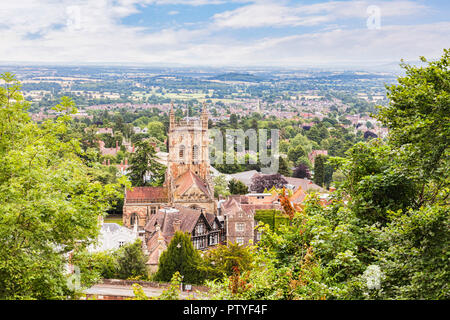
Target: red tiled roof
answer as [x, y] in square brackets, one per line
[187, 180]
[146, 194]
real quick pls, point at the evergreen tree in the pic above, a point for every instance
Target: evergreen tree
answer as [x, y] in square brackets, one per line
[182, 257]
[144, 162]
[132, 261]
[319, 170]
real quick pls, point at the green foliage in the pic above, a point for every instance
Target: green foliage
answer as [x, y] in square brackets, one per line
[144, 162]
[138, 292]
[284, 168]
[182, 257]
[272, 217]
[220, 186]
[132, 261]
[237, 187]
[49, 199]
[295, 153]
[221, 260]
[173, 291]
[127, 262]
[415, 262]
[95, 266]
[419, 123]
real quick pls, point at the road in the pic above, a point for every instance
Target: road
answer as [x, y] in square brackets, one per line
[127, 291]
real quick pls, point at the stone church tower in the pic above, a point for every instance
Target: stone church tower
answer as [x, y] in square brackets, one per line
[188, 170]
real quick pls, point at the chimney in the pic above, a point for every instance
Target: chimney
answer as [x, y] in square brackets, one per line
[176, 225]
[117, 145]
[109, 162]
[132, 151]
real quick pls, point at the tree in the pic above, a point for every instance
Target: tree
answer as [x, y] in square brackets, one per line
[284, 168]
[221, 260]
[262, 182]
[220, 186]
[319, 170]
[156, 129]
[132, 261]
[237, 187]
[415, 261]
[302, 171]
[142, 163]
[181, 257]
[419, 127]
[49, 199]
[295, 153]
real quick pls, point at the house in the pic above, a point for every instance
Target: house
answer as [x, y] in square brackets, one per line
[113, 236]
[206, 230]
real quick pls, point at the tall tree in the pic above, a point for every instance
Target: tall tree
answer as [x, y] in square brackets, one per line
[132, 261]
[49, 200]
[419, 124]
[143, 163]
[181, 257]
[319, 170]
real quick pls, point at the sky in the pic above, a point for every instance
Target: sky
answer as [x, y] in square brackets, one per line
[239, 33]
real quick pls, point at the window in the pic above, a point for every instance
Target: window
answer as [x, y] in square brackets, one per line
[134, 219]
[181, 154]
[121, 243]
[240, 226]
[153, 210]
[194, 152]
[213, 239]
[240, 240]
[199, 229]
[240, 215]
[258, 236]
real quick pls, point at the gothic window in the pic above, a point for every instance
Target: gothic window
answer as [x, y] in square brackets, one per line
[181, 152]
[133, 219]
[195, 152]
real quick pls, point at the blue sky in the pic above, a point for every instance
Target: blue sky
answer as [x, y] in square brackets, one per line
[224, 33]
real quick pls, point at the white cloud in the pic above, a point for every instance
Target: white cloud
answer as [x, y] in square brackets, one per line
[97, 36]
[275, 14]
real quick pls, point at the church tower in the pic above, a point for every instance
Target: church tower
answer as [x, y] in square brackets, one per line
[188, 174]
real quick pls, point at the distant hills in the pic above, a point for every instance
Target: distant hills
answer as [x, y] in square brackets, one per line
[234, 76]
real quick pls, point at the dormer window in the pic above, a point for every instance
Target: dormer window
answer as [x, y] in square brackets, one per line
[199, 229]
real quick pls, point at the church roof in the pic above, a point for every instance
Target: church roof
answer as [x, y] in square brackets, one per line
[188, 179]
[146, 194]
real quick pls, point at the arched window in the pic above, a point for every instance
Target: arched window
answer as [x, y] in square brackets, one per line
[195, 152]
[134, 219]
[181, 152]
